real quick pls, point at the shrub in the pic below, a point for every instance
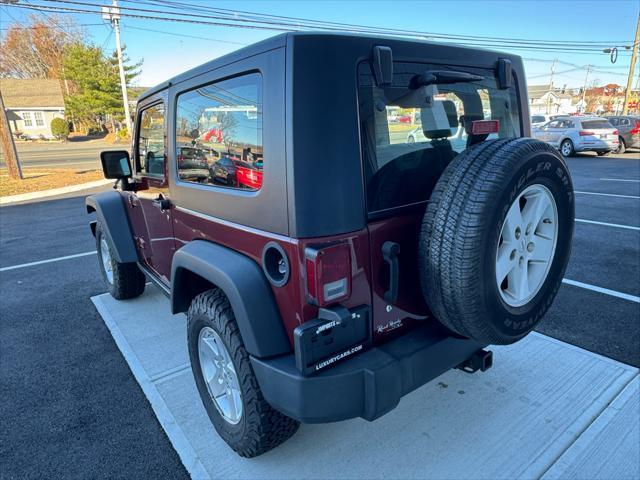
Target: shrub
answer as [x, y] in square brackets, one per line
[122, 134]
[60, 128]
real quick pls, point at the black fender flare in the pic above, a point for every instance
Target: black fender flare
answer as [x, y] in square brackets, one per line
[243, 282]
[110, 210]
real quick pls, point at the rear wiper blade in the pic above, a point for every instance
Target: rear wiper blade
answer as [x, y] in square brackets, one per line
[442, 77]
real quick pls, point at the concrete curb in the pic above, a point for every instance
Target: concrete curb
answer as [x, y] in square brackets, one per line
[23, 197]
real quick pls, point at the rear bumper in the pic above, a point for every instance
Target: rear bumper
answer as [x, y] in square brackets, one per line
[367, 385]
[595, 146]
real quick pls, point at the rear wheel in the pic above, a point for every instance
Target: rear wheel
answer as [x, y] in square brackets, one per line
[123, 280]
[496, 239]
[620, 149]
[566, 148]
[603, 154]
[226, 383]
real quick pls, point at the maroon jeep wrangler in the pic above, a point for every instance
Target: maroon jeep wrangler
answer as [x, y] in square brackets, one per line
[329, 257]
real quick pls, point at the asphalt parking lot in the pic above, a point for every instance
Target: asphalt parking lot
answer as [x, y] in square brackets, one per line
[72, 408]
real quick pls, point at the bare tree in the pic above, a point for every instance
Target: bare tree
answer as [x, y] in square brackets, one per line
[36, 49]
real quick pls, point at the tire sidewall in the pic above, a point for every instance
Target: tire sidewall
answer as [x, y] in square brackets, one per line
[231, 433]
[547, 169]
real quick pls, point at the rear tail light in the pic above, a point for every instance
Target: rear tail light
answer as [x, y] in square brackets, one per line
[635, 130]
[328, 274]
[586, 133]
[615, 132]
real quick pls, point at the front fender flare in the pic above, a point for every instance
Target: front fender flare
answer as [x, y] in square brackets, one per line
[112, 216]
[244, 284]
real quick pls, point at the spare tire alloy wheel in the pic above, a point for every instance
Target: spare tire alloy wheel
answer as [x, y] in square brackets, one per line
[220, 375]
[527, 244]
[496, 239]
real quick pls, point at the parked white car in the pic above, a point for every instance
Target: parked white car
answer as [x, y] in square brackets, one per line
[539, 119]
[579, 134]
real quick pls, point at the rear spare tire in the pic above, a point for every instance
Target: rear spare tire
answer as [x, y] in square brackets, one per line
[496, 239]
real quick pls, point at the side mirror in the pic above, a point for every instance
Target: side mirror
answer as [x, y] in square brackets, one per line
[115, 164]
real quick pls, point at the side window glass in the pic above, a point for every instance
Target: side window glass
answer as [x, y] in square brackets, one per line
[151, 154]
[554, 124]
[624, 122]
[614, 121]
[219, 134]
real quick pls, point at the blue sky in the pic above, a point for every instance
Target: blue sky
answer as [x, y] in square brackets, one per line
[166, 55]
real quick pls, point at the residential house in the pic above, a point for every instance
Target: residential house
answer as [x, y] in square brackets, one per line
[31, 104]
[545, 100]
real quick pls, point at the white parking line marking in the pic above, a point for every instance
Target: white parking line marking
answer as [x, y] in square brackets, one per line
[606, 291]
[50, 260]
[607, 194]
[605, 224]
[620, 180]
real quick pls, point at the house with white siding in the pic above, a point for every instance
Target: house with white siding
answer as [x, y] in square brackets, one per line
[31, 104]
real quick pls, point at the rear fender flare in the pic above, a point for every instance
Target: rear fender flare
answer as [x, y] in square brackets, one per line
[243, 282]
[112, 216]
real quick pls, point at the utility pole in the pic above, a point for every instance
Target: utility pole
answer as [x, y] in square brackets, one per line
[632, 67]
[113, 14]
[8, 145]
[553, 69]
[584, 89]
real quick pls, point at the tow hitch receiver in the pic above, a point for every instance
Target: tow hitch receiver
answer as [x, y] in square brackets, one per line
[481, 360]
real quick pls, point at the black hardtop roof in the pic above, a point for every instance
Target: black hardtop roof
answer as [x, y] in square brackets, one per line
[281, 40]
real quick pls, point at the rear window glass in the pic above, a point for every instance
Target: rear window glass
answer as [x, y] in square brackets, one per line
[596, 124]
[409, 135]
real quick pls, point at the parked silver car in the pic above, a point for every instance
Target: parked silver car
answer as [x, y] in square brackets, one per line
[579, 134]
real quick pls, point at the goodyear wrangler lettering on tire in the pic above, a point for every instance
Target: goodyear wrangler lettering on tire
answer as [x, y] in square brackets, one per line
[496, 239]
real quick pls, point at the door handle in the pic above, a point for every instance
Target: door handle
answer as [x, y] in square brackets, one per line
[162, 203]
[390, 252]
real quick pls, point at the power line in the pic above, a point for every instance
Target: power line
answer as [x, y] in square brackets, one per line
[181, 5]
[187, 36]
[287, 25]
[456, 39]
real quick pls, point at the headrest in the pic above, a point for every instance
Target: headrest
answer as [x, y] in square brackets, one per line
[439, 119]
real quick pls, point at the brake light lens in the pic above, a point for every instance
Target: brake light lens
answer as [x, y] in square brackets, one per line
[586, 133]
[635, 130]
[484, 127]
[615, 132]
[328, 274]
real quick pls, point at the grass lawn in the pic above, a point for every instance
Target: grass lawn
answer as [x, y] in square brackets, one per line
[37, 179]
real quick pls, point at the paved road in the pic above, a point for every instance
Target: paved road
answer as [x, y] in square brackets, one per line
[71, 154]
[70, 406]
